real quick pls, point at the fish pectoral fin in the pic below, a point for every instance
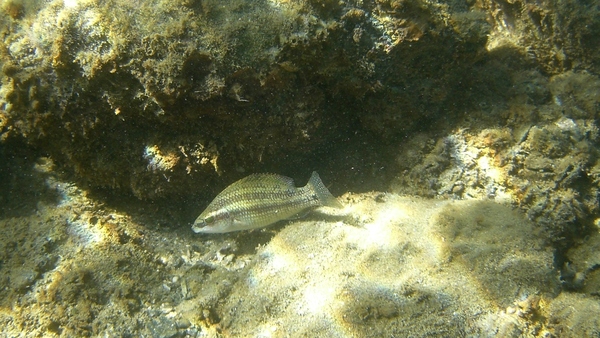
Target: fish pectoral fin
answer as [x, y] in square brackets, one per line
[299, 215]
[237, 222]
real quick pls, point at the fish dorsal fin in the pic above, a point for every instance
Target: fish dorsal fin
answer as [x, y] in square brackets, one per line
[271, 181]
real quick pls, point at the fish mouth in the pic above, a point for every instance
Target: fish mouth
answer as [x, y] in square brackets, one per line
[202, 227]
[205, 230]
[199, 227]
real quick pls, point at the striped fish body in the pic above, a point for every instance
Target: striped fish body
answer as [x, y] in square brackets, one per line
[260, 200]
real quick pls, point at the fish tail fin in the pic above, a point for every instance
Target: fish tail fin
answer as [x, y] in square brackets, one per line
[323, 194]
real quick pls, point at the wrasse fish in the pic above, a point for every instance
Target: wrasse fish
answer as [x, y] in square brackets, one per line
[260, 200]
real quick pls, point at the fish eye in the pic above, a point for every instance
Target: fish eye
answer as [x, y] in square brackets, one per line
[209, 219]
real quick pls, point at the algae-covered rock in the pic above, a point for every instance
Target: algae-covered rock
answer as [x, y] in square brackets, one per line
[384, 265]
[541, 157]
[561, 35]
[157, 99]
[393, 266]
[222, 88]
[573, 315]
[581, 270]
[487, 108]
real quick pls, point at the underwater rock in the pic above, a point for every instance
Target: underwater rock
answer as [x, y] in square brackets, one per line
[394, 265]
[559, 35]
[156, 100]
[582, 269]
[574, 315]
[477, 105]
[385, 264]
[542, 158]
[222, 89]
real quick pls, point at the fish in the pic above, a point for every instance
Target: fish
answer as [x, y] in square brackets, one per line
[260, 200]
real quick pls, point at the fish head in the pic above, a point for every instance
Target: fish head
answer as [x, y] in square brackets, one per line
[213, 222]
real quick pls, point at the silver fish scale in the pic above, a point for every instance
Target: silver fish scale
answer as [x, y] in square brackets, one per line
[264, 206]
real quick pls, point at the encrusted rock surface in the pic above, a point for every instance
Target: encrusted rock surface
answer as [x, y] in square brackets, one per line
[120, 120]
[157, 99]
[387, 264]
